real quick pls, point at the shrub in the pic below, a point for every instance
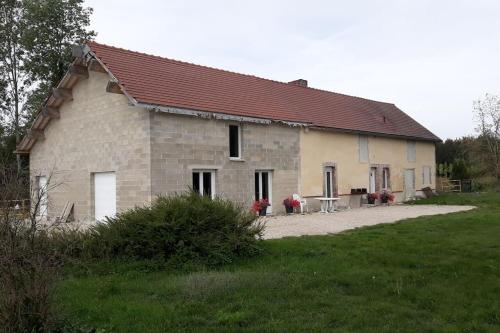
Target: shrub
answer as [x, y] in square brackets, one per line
[29, 264]
[29, 269]
[186, 227]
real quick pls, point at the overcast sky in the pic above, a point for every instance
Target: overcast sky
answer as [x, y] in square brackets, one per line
[430, 58]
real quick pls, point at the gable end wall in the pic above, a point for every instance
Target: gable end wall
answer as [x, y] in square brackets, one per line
[97, 132]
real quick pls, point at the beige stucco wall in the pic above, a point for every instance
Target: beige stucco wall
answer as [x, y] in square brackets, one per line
[319, 147]
[97, 131]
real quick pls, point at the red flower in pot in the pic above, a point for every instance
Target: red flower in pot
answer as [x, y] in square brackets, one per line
[290, 204]
[387, 196]
[260, 206]
[372, 197]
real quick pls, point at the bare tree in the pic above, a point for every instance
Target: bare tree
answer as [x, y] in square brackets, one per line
[487, 116]
[29, 263]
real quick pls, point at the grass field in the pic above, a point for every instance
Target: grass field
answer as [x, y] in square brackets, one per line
[429, 274]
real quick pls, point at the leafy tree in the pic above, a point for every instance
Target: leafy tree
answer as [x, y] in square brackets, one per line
[487, 115]
[459, 170]
[35, 50]
[53, 27]
[449, 150]
[12, 84]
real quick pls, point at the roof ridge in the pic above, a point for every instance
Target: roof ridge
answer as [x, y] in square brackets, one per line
[181, 62]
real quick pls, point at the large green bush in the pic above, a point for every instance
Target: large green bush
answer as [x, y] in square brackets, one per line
[186, 227]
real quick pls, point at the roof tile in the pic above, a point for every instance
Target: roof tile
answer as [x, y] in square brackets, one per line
[165, 82]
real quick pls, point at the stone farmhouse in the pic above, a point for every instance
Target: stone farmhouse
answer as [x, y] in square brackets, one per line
[123, 127]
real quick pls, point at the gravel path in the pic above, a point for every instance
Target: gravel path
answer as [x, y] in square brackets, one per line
[321, 224]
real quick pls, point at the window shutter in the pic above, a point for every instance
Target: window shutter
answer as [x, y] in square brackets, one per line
[363, 149]
[411, 151]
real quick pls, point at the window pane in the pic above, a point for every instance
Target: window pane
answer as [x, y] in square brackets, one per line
[196, 182]
[385, 178]
[207, 183]
[234, 145]
[257, 186]
[328, 184]
[265, 185]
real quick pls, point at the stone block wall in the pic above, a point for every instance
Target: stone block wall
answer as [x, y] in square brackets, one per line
[97, 132]
[180, 144]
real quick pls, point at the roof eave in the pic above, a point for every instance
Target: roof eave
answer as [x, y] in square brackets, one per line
[381, 134]
[217, 115]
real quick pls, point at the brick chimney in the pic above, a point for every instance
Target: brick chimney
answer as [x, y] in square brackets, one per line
[299, 82]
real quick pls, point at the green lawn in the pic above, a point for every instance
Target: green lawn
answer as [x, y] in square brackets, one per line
[429, 274]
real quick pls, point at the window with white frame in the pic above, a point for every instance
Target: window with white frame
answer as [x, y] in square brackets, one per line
[386, 176]
[234, 142]
[427, 175]
[204, 182]
[411, 151]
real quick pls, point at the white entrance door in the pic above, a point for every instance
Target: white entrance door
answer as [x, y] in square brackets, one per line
[373, 175]
[42, 196]
[264, 187]
[409, 183]
[104, 195]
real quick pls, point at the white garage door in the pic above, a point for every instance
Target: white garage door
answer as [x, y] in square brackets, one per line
[104, 195]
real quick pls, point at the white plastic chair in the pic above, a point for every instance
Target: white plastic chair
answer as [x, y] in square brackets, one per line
[303, 202]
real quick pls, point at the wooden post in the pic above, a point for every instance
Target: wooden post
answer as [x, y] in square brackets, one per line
[36, 134]
[49, 112]
[62, 93]
[95, 66]
[79, 71]
[77, 51]
[114, 88]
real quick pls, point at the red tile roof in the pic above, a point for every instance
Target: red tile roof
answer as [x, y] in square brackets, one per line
[165, 82]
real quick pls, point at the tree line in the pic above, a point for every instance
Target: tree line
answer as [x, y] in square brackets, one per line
[35, 51]
[475, 157]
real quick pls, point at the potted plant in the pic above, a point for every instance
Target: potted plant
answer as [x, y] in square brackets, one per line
[260, 206]
[386, 197]
[371, 197]
[290, 204]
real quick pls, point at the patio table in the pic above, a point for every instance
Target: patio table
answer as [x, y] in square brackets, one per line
[327, 204]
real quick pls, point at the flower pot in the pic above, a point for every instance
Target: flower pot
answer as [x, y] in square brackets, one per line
[385, 200]
[289, 209]
[263, 211]
[371, 201]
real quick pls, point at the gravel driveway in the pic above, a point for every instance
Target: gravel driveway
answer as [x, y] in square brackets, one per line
[321, 224]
